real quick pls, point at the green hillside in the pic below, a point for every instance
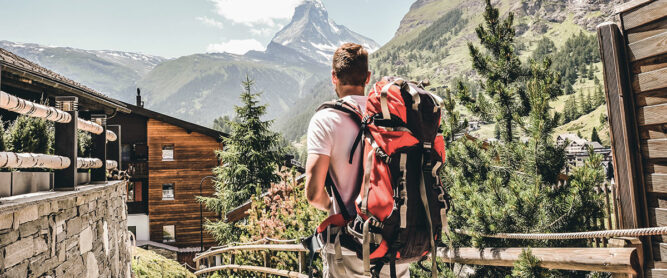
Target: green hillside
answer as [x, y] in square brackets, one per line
[431, 43]
[202, 87]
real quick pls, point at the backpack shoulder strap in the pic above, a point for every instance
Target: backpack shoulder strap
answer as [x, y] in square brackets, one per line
[342, 105]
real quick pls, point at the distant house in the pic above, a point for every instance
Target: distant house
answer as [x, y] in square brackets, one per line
[167, 159]
[576, 150]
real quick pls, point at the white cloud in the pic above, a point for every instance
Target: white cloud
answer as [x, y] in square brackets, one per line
[210, 22]
[253, 12]
[236, 46]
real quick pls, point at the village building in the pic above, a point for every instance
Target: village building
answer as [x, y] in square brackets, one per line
[576, 150]
[170, 162]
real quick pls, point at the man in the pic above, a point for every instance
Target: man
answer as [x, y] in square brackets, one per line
[331, 134]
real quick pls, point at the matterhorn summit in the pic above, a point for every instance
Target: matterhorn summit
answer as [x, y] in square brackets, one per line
[312, 33]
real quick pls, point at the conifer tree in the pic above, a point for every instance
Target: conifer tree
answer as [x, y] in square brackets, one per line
[501, 68]
[599, 96]
[250, 159]
[587, 103]
[595, 137]
[510, 186]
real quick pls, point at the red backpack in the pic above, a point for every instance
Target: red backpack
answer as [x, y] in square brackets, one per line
[403, 204]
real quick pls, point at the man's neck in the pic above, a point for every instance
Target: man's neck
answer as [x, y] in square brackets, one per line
[348, 90]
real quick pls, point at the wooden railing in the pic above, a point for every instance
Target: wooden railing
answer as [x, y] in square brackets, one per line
[623, 260]
[65, 161]
[608, 221]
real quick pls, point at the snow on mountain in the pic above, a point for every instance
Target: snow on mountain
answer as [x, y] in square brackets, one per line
[114, 73]
[312, 33]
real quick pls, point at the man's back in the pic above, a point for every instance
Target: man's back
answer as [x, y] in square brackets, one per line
[332, 133]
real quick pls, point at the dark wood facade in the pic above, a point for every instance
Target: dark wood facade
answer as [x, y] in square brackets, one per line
[193, 159]
[634, 55]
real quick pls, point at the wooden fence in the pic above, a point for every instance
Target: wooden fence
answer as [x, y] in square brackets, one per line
[65, 162]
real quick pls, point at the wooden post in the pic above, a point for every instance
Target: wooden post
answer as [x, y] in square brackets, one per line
[628, 173]
[623, 135]
[302, 261]
[66, 144]
[621, 242]
[114, 148]
[99, 149]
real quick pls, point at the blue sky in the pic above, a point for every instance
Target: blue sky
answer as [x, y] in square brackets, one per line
[173, 28]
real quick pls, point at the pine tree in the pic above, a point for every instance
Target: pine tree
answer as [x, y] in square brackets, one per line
[587, 103]
[452, 120]
[595, 137]
[599, 96]
[504, 187]
[501, 68]
[250, 159]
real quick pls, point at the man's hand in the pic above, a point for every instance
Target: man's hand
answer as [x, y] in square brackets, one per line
[317, 167]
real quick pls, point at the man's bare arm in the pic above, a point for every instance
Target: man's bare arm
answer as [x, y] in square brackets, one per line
[317, 166]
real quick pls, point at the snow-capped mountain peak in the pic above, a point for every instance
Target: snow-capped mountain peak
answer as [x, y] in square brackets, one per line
[312, 33]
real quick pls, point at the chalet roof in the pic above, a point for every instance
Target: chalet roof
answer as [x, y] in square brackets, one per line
[595, 145]
[11, 62]
[175, 121]
[569, 136]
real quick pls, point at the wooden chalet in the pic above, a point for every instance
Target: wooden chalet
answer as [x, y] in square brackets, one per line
[170, 162]
[634, 56]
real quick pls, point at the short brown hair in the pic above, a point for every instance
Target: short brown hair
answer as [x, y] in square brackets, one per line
[350, 64]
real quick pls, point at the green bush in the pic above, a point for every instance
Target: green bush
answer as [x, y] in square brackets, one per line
[147, 263]
[29, 135]
[85, 142]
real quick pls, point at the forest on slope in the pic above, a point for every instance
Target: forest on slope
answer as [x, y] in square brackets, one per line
[431, 43]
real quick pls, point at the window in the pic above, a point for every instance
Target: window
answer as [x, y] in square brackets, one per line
[168, 191]
[133, 229]
[167, 152]
[168, 233]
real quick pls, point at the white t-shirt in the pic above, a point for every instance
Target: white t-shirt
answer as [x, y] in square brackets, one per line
[332, 133]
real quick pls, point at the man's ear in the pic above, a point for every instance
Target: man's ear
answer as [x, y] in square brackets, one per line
[368, 78]
[334, 78]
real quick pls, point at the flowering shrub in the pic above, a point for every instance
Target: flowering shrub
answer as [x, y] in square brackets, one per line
[282, 213]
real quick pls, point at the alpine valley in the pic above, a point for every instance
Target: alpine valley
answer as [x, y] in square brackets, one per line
[293, 71]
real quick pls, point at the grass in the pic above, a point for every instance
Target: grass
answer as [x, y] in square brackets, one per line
[585, 125]
[147, 263]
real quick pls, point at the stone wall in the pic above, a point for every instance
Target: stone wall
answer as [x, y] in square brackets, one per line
[79, 233]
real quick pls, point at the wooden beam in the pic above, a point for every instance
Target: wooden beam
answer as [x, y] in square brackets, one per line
[649, 64]
[654, 148]
[656, 273]
[658, 216]
[624, 133]
[256, 269]
[652, 115]
[656, 183]
[657, 167]
[652, 98]
[652, 80]
[648, 30]
[653, 132]
[629, 5]
[642, 15]
[615, 260]
[648, 47]
[660, 251]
